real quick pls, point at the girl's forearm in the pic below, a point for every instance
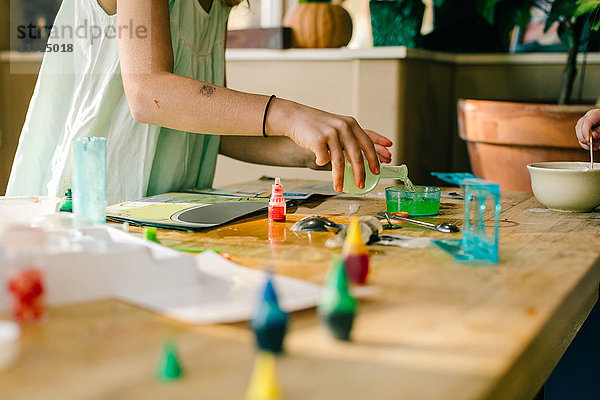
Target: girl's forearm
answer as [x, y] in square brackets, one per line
[173, 101]
[277, 151]
[157, 96]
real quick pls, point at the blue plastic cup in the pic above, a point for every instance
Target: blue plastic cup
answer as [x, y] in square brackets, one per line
[89, 178]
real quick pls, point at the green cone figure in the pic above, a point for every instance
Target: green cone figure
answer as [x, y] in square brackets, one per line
[337, 306]
[169, 368]
[150, 234]
[66, 204]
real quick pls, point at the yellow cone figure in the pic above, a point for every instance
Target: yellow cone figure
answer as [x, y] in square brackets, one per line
[263, 383]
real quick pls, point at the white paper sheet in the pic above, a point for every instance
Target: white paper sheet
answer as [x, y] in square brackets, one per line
[225, 292]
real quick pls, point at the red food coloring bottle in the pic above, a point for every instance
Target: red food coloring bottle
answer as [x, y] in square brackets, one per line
[277, 203]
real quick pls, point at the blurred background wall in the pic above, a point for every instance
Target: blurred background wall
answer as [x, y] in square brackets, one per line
[406, 94]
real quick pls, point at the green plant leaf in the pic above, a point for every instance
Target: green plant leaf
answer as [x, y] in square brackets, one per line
[511, 13]
[561, 11]
[487, 9]
[570, 15]
[586, 6]
[523, 14]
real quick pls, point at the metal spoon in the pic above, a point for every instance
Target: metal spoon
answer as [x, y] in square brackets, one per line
[443, 227]
[389, 223]
[316, 223]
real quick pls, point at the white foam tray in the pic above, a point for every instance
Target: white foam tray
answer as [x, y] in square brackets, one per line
[202, 289]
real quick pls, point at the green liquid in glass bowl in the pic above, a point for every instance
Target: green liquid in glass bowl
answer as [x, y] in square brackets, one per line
[423, 201]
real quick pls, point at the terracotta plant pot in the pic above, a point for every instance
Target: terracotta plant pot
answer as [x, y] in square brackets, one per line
[503, 137]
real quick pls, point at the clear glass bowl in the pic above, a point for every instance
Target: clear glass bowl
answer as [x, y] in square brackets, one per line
[424, 201]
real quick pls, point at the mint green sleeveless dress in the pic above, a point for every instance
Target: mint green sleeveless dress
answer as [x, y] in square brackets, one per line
[80, 93]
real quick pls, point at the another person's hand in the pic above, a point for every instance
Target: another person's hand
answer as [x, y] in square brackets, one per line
[329, 136]
[589, 124]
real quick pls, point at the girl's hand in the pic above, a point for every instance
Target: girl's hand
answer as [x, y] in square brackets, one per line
[328, 136]
[381, 146]
[589, 124]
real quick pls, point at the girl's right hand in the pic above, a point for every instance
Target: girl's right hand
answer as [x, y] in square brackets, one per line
[589, 124]
[328, 136]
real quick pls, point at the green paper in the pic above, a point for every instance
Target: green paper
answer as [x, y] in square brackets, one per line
[169, 367]
[336, 297]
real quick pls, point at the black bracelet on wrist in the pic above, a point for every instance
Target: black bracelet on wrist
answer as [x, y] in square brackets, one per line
[265, 116]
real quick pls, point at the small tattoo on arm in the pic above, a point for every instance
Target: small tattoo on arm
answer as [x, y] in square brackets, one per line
[156, 101]
[206, 90]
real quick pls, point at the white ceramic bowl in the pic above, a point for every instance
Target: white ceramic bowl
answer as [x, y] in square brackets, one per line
[566, 186]
[25, 209]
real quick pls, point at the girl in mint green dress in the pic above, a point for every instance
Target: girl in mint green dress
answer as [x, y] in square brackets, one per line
[152, 83]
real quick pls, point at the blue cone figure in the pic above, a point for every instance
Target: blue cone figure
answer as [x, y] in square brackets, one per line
[270, 321]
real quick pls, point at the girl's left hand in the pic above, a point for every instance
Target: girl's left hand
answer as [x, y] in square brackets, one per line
[381, 146]
[332, 138]
[380, 142]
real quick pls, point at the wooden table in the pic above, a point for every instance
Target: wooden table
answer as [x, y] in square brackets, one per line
[433, 329]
